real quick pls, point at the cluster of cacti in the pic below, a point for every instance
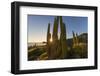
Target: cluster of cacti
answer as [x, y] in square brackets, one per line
[58, 48]
[75, 39]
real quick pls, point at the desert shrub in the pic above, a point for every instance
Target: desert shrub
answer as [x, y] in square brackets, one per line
[43, 56]
[34, 54]
[80, 51]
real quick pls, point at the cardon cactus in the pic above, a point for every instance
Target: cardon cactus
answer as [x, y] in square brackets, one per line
[48, 41]
[48, 34]
[77, 40]
[55, 39]
[55, 30]
[63, 39]
[74, 39]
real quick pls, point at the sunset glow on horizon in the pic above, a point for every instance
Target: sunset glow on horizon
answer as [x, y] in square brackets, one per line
[38, 24]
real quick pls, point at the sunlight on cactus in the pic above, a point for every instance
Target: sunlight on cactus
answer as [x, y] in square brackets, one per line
[58, 49]
[51, 40]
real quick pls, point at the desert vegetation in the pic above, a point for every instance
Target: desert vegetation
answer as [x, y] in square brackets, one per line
[60, 48]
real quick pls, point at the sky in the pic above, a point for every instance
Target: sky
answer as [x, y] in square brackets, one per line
[38, 24]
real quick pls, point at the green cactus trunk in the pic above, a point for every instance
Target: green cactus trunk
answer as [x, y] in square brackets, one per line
[55, 38]
[77, 40]
[48, 34]
[48, 42]
[55, 30]
[63, 39]
[74, 39]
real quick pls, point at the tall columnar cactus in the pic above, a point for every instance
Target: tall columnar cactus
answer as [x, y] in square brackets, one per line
[63, 39]
[55, 30]
[48, 34]
[74, 39]
[55, 38]
[77, 40]
[48, 41]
